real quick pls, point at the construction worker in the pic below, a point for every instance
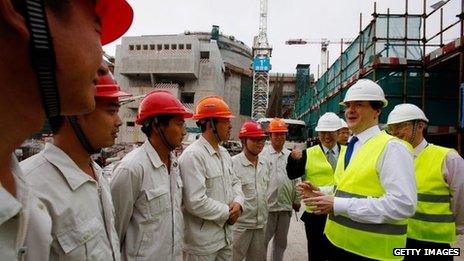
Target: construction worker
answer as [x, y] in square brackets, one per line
[376, 192]
[146, 184]
[440, 183]
[317, 165]
[71, 184]
[213, 197]
[343, 133]
[282, 195]
[253, 171]
[51, 51]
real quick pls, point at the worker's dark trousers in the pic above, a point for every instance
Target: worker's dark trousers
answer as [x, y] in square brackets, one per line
[319, 247]
[412, 243]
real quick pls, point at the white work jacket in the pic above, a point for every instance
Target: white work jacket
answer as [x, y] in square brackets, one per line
[80, 207]
[25, 226]
[147, 199]
[254, 181]
[210, 185]
[281, 190]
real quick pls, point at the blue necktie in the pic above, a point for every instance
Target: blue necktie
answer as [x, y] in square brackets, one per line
[349, 150]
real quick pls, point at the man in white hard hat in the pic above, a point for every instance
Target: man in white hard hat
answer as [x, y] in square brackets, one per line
[317, 165]
[343, 133]
[440, 182]
[376, 188]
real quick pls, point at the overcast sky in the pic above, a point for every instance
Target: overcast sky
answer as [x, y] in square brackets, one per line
[308, 19]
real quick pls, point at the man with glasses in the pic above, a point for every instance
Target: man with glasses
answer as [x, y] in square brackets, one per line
[213, 197]
[317, 165]
[253, 171]
[440, 183]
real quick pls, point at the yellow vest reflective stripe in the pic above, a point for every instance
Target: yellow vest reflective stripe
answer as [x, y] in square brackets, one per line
[361, 180]
[317, 169]
[433, 220]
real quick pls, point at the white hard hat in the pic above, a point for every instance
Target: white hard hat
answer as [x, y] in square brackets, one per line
[365, 90]
[329, 122]
[344, 124]
[406, 112]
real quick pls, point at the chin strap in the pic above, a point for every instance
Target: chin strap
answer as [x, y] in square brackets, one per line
[43, 56]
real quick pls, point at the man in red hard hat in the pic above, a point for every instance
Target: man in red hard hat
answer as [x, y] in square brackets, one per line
[147, 187]
[213, 197]
[71, 184]
[50, 52]
[253, 171]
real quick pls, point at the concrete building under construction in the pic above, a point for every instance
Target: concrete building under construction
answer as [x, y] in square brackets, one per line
[191, 65]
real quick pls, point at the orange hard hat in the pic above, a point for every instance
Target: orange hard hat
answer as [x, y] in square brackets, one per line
[160, 102]
[115, 18]
[107, 87]
[251, 129]
[212, 107]
[277, 125]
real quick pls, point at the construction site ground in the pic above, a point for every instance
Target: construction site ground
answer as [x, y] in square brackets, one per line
[296, 248]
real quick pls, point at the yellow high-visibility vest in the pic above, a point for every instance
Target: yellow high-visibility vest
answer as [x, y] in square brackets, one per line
[318, 170]
[361, 180]
[433, 220]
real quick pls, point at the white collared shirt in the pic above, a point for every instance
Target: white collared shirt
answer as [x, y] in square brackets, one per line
[147, 199]
[334, 149]
[396, 172]
[25, 225]
[80, 207]
[453, 173]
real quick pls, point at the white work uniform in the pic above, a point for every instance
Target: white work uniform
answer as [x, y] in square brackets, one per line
[249, 230]
[147, 199]
[282, 195]
[396, 173]
[210, 185]
[25, 225]
[453, 173]
[80, 207]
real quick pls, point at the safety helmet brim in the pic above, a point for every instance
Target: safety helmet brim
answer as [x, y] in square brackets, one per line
[116, 17]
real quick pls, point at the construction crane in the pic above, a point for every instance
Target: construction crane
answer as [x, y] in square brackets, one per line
[324, 42]
[261, 66]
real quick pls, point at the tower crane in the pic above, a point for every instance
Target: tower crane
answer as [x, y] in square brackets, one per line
[324, 42]
[261, 66]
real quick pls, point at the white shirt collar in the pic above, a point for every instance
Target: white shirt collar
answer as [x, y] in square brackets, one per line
[419, 148]
[334, 149]
[368, 133]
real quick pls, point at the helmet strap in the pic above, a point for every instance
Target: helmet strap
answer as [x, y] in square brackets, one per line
[43, 56]
[161, 134]
[414, 132]
[215, 132]
[81, 136]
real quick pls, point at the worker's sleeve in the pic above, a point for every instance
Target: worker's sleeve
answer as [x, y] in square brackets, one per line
[195, 199]
[396, 173]
[237, 188]
[453, 171]
[296, 168]
[125, 188]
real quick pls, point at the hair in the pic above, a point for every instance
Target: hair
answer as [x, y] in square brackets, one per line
[162, 120]
[203, 122]
[376, 105]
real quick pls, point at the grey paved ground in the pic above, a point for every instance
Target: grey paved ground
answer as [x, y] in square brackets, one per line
[296, 249]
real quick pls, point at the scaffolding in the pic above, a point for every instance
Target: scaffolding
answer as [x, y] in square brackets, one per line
[410, 59]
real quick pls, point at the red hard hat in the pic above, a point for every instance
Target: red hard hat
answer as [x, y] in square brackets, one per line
[251, 129]
[115, 18]
[212, 107]
[160, 102]
[107, 87]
